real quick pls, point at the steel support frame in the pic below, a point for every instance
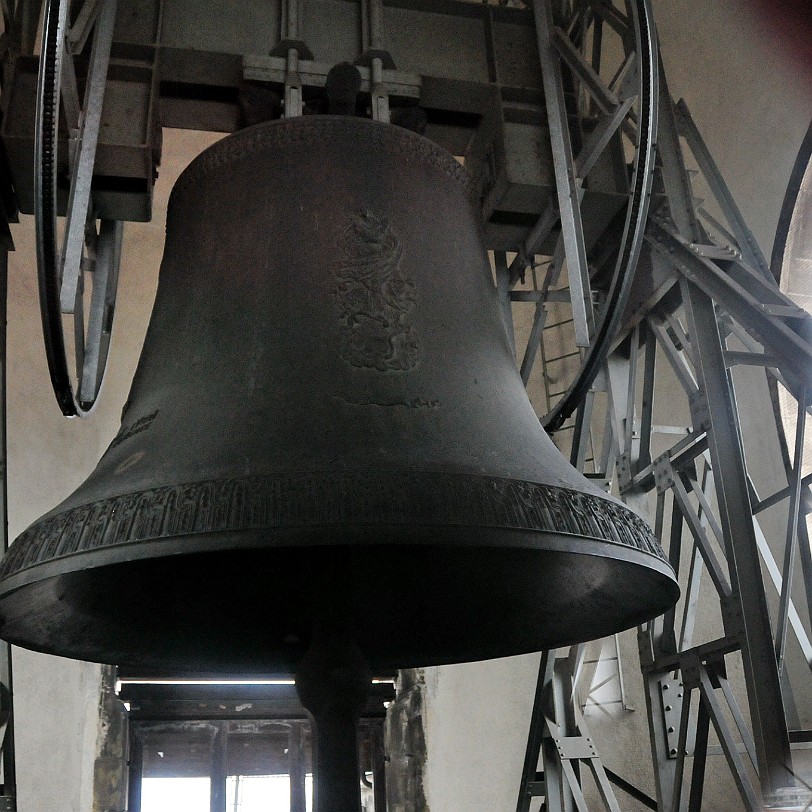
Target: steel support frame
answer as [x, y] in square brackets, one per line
[716, 298]
[751, 623]
[560, 745]
[663, 648]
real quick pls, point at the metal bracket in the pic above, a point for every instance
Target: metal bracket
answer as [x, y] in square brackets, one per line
[671, 698]
[663, 472]
[726, 252]
[623, 466]
[700, 411]
[574, 748]
[272, 68]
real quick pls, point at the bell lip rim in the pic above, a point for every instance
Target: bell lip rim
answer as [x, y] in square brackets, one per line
[219, 542]
[663, 592]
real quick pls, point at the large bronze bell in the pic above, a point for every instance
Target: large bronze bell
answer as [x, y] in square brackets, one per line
[327, 427]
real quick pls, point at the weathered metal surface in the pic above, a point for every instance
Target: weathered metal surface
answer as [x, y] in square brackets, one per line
[191, 700]
[309, 412]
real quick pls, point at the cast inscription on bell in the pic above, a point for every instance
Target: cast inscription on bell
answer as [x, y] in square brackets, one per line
[375, 298]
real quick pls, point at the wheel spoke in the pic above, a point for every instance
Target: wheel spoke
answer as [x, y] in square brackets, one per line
[102, 306]
[82, 169]
[568, 188]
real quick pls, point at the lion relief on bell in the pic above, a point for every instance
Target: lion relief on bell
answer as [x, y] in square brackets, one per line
[374, 297]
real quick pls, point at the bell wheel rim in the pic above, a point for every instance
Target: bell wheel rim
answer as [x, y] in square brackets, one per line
[98, 249]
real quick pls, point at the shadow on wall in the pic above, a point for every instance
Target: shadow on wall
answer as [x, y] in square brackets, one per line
[787, 25]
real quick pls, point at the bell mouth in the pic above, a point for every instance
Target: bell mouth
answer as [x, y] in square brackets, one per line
[426, 567]
[435, 600]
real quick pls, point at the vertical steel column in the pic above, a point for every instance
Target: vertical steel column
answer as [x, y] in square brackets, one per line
[557, 700]
[379, 96]
[296, 755]
[291, 24]
[746, 617]
[503, 289]
[378, 766]
[219, 767]
[568, 189]
[665, 767]
[531, 784]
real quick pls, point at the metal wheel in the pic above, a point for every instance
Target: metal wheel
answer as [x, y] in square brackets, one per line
[600, 71]
[88, 250]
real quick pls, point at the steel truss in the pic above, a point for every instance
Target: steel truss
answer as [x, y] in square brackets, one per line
[707, 316]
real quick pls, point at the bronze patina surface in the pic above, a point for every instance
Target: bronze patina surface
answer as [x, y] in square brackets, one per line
[327, 401]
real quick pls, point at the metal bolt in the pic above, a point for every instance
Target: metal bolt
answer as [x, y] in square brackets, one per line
[668, 707]
[673, 751]
[670, 729]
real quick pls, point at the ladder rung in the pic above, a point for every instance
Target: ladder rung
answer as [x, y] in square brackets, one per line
[561, 357]
[558, 324]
